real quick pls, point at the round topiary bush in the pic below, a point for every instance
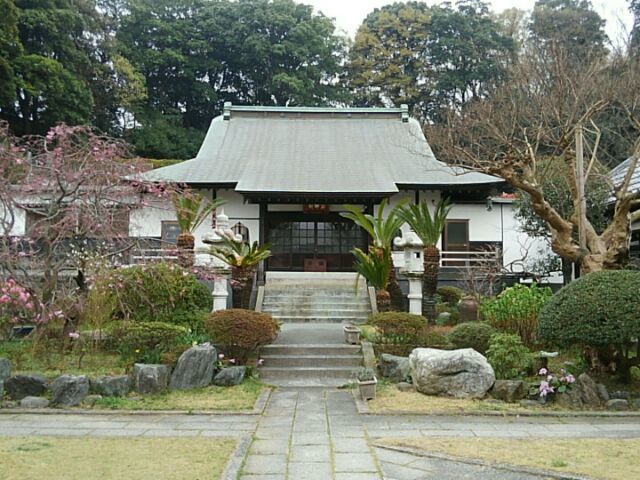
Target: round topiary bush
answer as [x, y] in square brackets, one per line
[599, 310]
[474, 335]
[160, 292]
[146, 342]
[398, 327]
[450, 295]
[240, 332]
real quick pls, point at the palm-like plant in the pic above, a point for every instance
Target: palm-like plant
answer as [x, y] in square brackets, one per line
[428, 227]
[243, 260]
[191, 210]
[375, 268]
[382, 231]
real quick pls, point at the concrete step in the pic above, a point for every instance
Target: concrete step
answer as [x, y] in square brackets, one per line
[305, 373]
[300, 349]
[317, 303]
[310, 311]
[315, 296]
[307, 383]
[345, 319]
[290, 361]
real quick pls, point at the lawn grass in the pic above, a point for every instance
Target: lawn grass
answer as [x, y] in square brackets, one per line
[51, 363]
[97, 459]
[239, 397]
[611, 459]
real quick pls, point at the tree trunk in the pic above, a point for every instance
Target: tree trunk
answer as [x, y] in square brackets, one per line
[185, 244]
[397, 297]
[431, 263]
[383, 300]
[241, 285]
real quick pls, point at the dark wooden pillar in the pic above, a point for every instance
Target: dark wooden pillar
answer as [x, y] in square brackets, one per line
[262, 238]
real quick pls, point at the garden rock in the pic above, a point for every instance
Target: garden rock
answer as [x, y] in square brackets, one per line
[621, 394]
[69, 390]
[34, 402]
[603, 393]
[635, 403]
[509, 391]
[5, 369]
[405, 387]
[462, 373]
[395, 368]
[91, 400]
[617, 404]
[583, 393]
[194, 368]
[21, 386]
[229, 376]
[148, 378]
[116, 386]
[530, 403]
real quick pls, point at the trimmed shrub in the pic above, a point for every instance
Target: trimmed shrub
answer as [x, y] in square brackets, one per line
[159, 292]
[450, 295]
[474, 335]
[600, 310]
[508, 356]
[146, 342]
[454, 314]
[516, 310]
[240, 332]
[398, 328]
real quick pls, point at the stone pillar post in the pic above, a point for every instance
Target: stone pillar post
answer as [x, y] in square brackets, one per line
[415, 293]
[220, 292]
[413, 268]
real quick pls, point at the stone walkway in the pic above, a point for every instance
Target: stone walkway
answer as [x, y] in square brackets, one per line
[312, 434]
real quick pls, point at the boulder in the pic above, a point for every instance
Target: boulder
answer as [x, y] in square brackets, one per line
[620, 394]
[462, 373]
[509, 390]
[69, 390]
[229, 376]
[617, 404]
[395, 368]
[34, 402]
[21, 386]
[603, 393]
[115, 386]
[405, 387]
[90, 400]
[194, 368]
[5, 369]
[584, 393]
[149, 378]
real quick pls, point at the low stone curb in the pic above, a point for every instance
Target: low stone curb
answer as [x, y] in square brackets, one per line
[232, 470]
[258, 408]
[484, 463]
[363, 409]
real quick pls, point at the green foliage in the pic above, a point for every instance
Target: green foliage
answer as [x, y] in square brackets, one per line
[427, 226]
[240, 254]
[239, 332]
[381, 228]
[159, 292]
[365, 374]
[146, 342]
[508, 356]
[600, 309]
[450, 295]
[476, 335]
[453, 314]
[373, 267]
[516, 310]
[192, 208]
[398, 327]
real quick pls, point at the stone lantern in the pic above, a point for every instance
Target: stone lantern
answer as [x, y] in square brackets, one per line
[221, 270]
[413, 268]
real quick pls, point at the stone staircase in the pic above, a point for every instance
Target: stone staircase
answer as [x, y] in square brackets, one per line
[312, 308]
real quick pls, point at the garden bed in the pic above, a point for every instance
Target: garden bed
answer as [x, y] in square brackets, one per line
[95, 459]
[611, 459]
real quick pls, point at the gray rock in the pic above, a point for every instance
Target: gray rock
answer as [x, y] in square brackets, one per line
[21, 386]
[90, 400]
[443, 318]
[194, 368]
[10, 404]
[395, 368]
[5, 369]
[148, 378]
[530, 403]
[509, 390]
[603, 393]
[34, 402]
[617, 404]
[584, 393]
[405, 387]
[114, 386]
[635, 403]
[229, 376]
[69, 390]
[620, 394]
[462, 373]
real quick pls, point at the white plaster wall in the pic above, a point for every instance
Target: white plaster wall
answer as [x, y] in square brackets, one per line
[238, 211]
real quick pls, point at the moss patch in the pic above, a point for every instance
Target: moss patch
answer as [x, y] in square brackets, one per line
[97, 459]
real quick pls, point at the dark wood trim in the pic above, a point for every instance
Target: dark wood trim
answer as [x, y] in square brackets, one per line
[262, 235]
[445, 233]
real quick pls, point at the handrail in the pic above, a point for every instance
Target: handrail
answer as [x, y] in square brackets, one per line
[466, 259]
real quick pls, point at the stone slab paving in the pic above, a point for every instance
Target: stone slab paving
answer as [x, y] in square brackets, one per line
[309, 434]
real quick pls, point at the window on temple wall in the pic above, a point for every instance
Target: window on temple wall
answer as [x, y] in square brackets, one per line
[240, 229]
[170, 232]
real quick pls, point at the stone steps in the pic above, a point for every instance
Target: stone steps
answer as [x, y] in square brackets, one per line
[319, 361]
[317, 318]
[311, 350]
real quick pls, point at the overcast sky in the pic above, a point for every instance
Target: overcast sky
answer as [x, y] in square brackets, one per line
[349, 14]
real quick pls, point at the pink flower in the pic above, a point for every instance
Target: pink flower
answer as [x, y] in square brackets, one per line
[233, 361]
[545, 389]
[571, 378]
[220, 356]
[74, 335]
[261, 362]
[543, 371]
[5, 298]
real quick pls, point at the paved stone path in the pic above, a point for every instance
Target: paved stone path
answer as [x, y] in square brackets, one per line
[312, 434]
